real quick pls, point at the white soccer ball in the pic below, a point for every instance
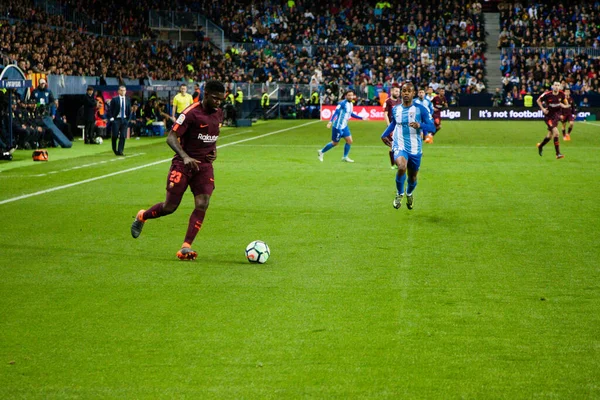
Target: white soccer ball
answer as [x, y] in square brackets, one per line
[258, 252]
[98, 140]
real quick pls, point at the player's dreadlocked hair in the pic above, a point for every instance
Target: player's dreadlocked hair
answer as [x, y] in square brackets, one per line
[214, 87]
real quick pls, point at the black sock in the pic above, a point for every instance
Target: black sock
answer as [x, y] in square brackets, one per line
[546, 140]
[556, 145]
[570, 129]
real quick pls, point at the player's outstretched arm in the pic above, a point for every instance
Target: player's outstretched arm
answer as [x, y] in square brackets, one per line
[426, 121]
[385, 114]
[539, 103]
[386, 137]
[335, 115]
[174, 144]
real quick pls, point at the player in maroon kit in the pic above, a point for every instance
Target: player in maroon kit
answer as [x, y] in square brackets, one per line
[568, 115]
[439, 104]
[555, 102]
[194, 140]
[388, 106]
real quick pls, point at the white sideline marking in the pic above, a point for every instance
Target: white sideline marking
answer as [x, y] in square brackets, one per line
[234, 134]
[72, 168]
[54, 189]
[88, 165]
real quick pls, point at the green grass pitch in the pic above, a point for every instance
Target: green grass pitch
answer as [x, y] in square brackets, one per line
[489, 288]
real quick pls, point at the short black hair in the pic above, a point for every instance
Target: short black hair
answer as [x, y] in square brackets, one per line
[349, 91]
[214, 87]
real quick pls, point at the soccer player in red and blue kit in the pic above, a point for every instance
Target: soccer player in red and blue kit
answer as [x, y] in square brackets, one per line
[568, 115]
[439, 103]
[194, 140]
[388, 106]
[555, 102]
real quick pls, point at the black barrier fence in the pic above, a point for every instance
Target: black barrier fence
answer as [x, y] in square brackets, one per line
[508, 113]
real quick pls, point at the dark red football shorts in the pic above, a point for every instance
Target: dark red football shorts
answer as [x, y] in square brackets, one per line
[200, 182]
[568, 117]
[551, 121]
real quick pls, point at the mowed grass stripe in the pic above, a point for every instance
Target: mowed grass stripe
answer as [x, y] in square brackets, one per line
[61, 187]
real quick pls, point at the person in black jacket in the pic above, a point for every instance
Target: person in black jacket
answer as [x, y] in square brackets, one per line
[120, 112]
[89, 116]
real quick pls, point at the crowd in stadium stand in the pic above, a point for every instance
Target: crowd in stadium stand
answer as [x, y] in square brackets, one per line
[39, 48]
[118, 18]
[350, 22]
[550, 24]
[538, 40]
[534, 70]
[460, 71]
[453, 28]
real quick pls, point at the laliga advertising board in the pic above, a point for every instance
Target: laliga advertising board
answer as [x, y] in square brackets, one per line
[375, 113]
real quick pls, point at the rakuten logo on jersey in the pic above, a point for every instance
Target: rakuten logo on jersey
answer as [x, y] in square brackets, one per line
[208, 138]
[450, 114]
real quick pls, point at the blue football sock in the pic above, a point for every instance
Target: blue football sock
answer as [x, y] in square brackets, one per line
[327, 147]
[411, 186]
[400, 183]
[346, 149]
